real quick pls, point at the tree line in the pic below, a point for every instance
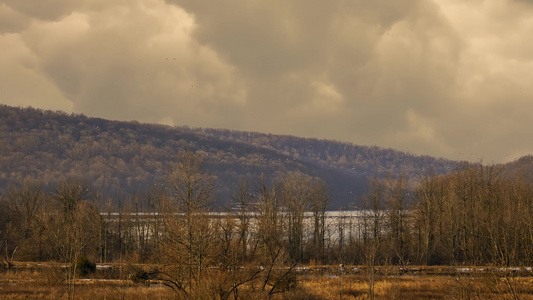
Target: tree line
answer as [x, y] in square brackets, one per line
[473, 216]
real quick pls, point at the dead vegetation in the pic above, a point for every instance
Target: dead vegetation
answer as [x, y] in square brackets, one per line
[47, 281]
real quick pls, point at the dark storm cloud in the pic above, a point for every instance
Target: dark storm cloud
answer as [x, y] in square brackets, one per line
[48, 10]
[11, 20]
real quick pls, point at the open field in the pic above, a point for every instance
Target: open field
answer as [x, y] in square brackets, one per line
[46, 281]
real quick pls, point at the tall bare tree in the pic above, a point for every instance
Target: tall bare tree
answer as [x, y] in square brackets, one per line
[73, 228]
[374, 204]
[319, 203]
[297, 191]
[397, 218]
[26, 205]
[243, 201]
[271, 241]
[187, 248]
[429, 216]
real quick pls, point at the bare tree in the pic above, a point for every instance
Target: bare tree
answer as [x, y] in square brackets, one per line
[232, 271]
[188, 229]
[397, 218]
[373, 222]
[271, 241]
[319, 203]
[156, 200]
[242, 201]
[429, 214]
[73, 227]
[297, 192]
[25, 205]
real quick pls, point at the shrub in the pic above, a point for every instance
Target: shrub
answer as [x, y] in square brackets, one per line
[139, 275]
[84, 266]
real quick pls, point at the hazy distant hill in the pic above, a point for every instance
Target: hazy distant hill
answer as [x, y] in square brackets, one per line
[521, 167]
[121, 158]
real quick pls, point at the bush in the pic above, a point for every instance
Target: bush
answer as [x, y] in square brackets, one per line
[139, 275]
[84, 266]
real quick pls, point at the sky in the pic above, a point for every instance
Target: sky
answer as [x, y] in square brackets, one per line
[444, 78]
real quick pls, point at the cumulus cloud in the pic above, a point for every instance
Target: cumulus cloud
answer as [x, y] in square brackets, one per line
[492, 111]
[131, 60]
[372, 61]
[438, 77]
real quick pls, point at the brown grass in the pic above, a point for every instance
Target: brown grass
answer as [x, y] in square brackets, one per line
[356, 287]
[47, 282]
[418, 287]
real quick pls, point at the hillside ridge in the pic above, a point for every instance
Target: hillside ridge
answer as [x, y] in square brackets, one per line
[120, 158]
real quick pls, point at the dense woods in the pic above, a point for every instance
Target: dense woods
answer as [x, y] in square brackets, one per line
[123, 158]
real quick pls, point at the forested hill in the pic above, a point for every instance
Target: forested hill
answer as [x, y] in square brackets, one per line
[522, 167]
[357, 160]
[119, 159]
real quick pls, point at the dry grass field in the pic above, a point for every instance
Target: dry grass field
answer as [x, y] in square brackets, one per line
[419, 287]
[47, 282]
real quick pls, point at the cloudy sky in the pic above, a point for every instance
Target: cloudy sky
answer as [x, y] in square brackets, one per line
[446, 78]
